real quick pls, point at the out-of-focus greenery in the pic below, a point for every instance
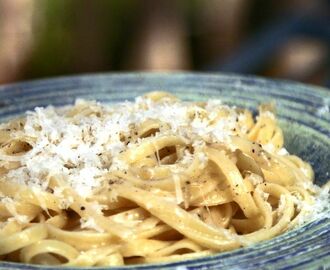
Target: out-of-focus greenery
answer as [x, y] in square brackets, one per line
[77, 36]
[56, 45]
[53, 42]
[64, 42]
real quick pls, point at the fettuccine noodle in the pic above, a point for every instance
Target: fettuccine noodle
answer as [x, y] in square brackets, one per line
[148, 181]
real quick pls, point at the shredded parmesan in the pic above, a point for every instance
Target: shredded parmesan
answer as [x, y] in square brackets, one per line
[282, 152]
[10, 206]
[90, 223]
[82, 148]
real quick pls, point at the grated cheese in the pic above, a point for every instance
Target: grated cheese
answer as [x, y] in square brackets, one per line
[268, 114]
[202, 159]
[269, 147]
[89, 223]
[187, 158]
[318, 208]
[10, 206]
[84, 147]
[255, 179]
[282, 152]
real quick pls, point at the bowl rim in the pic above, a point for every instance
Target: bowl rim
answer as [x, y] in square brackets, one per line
[228, 75]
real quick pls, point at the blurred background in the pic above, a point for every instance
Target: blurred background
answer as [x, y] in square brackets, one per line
[282, 39]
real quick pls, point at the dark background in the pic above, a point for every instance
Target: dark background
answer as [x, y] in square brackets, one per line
[281, 39]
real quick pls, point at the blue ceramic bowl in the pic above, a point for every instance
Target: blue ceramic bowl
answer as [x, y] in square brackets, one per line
[304, 116]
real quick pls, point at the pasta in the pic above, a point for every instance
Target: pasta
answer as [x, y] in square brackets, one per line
[148, 181]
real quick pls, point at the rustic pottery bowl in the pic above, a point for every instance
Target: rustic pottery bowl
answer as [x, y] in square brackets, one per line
[304, 115]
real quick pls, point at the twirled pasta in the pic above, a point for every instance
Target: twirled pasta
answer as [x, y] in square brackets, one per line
[150, 181]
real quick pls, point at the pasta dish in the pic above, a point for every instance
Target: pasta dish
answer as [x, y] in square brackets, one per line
[153, 180]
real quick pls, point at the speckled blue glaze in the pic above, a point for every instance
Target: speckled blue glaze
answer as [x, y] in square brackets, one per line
[306, 130]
